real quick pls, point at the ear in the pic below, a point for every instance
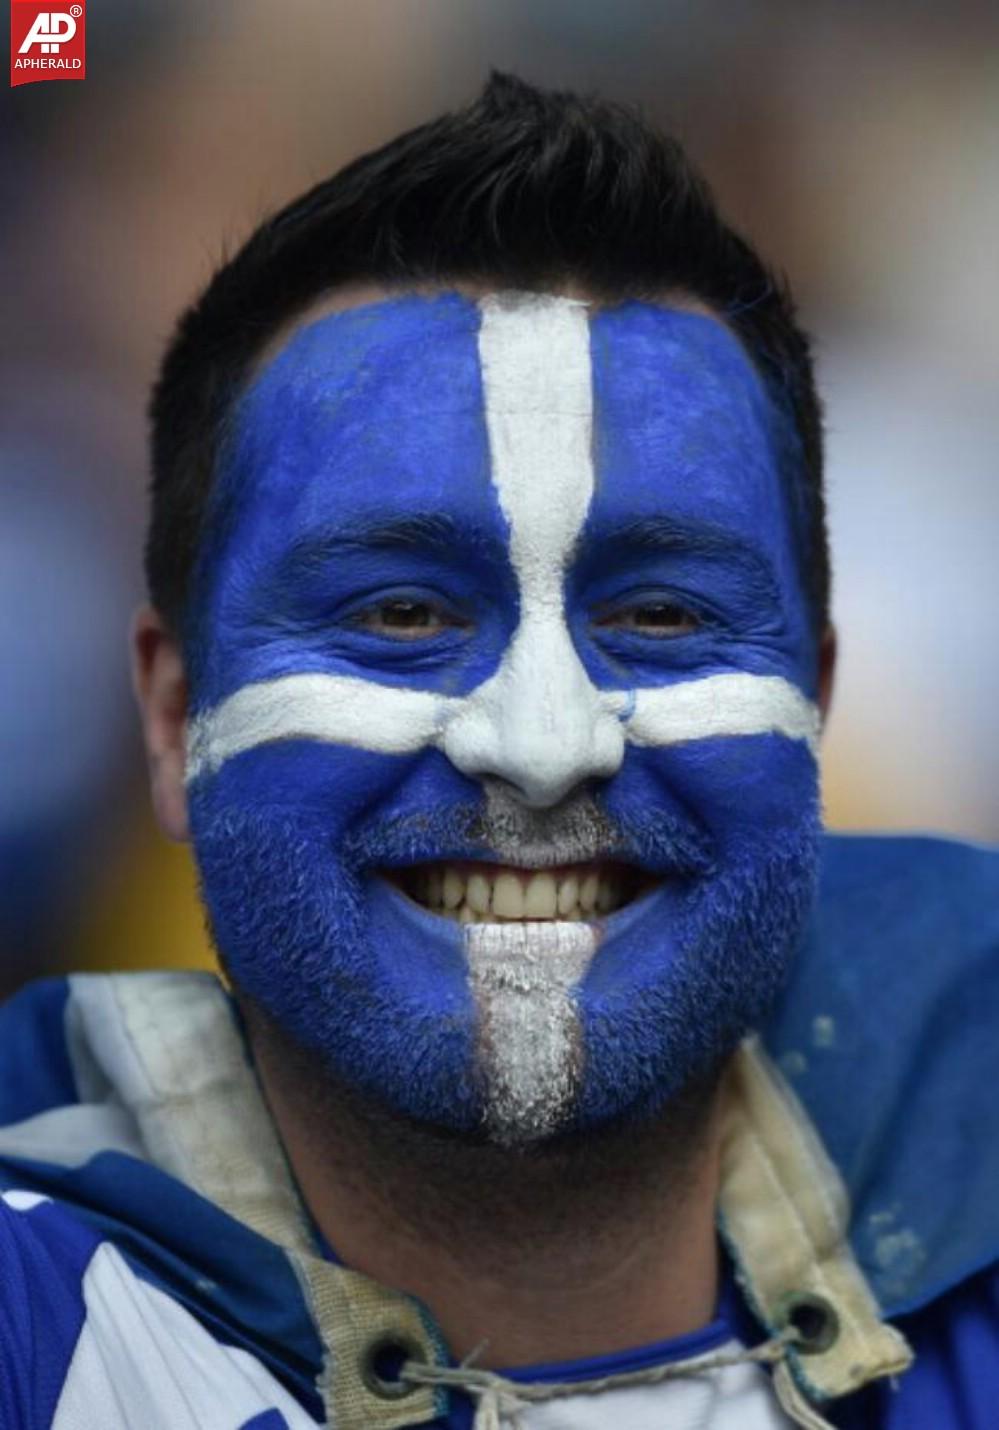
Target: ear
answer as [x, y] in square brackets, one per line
[827, 670]
[160, 686]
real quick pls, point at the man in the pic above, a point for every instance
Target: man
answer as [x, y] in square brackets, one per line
[485, 665]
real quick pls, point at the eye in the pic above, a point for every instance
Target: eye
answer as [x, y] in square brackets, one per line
[659, 619]
[405, 619]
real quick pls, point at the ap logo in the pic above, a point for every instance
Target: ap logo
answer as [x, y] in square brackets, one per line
[50, 30]
[46, 44]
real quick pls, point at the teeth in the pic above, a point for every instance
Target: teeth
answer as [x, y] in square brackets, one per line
[479, 896]
[508, 897]
[568, 894]
[453, 889]
[478, 893]
[540, 897]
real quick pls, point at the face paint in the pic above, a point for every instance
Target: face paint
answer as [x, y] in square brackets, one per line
[522, 976]
[538, 480]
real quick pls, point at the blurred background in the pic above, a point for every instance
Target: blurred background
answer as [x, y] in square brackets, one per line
[858, 145]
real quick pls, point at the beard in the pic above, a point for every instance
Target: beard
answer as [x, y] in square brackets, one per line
[532, 1046]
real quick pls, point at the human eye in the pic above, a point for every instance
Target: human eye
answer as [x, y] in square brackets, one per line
[658, 618]
[406, 618]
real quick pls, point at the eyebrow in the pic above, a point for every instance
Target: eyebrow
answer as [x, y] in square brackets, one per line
[433, 532]
[688, 536]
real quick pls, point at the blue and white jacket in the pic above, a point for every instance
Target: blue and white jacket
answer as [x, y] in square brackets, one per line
[158, 1271]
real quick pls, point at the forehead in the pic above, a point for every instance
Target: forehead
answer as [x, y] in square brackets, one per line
[380, 412]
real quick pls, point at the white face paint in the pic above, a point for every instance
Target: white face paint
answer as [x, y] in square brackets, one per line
[363, 715]
[522, 976]
[539, 723]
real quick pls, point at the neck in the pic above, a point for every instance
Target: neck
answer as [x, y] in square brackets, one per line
[579, 1247]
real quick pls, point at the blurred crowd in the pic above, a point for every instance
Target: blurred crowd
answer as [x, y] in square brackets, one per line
[857, 145]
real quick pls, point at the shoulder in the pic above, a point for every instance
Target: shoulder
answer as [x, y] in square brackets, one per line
[128, 1295]
[86, 1340]
[887, 1033]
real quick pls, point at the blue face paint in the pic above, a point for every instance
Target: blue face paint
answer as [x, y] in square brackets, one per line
[358, 467]
[432, 458]
[690, 509]
[357, 456]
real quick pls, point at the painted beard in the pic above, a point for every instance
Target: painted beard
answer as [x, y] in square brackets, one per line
[513, 1032]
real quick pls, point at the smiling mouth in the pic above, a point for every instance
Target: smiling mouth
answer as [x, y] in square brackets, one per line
[500, 893]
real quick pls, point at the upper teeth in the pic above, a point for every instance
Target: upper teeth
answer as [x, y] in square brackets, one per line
[486, 894]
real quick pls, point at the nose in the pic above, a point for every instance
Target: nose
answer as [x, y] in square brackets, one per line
[539, 723]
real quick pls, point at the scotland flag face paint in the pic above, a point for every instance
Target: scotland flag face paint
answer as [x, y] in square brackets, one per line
[501, 769]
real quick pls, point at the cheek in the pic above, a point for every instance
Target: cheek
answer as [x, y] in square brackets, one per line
[335, 786]
[290, 841]
[364, 810]
[736, 790]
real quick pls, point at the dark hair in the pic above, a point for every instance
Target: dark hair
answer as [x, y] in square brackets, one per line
[525, 188]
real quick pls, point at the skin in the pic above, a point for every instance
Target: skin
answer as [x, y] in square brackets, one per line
[577, 1251]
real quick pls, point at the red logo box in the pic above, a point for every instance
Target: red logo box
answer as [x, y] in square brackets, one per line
[47, 41]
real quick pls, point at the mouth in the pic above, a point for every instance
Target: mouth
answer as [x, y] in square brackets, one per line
[472, 892]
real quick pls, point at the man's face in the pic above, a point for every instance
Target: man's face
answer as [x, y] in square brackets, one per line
[501, 772]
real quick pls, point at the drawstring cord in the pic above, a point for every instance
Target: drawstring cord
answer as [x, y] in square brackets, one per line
[498, 1397]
